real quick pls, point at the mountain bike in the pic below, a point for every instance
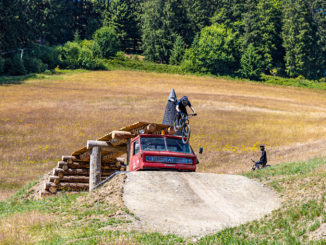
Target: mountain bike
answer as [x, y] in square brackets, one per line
[253, 168]
[183, 125]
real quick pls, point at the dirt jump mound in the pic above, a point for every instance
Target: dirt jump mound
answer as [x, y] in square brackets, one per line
[195, 204]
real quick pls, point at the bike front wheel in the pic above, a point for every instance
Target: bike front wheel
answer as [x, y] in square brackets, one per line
[186, 133]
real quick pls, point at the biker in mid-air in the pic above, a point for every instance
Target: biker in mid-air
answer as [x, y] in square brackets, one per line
[181, 108]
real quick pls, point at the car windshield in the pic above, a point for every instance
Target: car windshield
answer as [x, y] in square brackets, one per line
[152, 144]
[176, 145]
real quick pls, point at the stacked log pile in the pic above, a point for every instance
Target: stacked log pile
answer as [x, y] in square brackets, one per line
[72, 173]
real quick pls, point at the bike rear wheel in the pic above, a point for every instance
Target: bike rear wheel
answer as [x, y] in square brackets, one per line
[185, 133]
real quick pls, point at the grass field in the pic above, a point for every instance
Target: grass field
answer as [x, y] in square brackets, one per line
[42, 119]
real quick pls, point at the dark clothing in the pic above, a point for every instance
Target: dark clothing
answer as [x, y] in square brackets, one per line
[182, 107]
[262, 160]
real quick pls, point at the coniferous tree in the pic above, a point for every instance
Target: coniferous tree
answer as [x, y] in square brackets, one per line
[262, 30]
[14, 31]
[229, 14]
[123, 15]
[159, 28]
[200, 12]
[177, 51]
[304, 54]
[319, 13]
[251, 64]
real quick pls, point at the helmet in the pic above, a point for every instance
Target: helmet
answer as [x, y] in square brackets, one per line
[262, 147]
[184, 100]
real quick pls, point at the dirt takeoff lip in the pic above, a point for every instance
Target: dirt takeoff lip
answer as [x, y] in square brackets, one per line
[195, 204]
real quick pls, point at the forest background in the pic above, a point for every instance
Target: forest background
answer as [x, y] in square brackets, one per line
[237, 38]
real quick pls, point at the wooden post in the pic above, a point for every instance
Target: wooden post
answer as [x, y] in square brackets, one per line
[95, 167]
[128, 151]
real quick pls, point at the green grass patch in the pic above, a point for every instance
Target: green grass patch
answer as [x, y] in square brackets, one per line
[87, 223]
[294, 82]
[284, 226]
[286, 169]
[122, 63]
[55, 74]
[142, 65]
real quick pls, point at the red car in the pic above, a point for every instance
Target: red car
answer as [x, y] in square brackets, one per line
[161, 152]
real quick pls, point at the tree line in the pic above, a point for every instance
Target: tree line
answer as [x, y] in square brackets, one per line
[223, 37]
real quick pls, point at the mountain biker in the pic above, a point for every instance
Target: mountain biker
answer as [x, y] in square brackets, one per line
[181, 108]
[263, 159]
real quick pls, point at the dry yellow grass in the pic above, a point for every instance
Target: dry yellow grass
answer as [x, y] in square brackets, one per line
[16, 229]
[40, 120]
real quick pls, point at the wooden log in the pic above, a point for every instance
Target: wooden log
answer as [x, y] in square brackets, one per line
[84, 165]
[150, 128]
[122, 135]
[63, 165]
[75, 159]
[71, 179]
[95, 167]
[67, 186]
[79, 172]
[60, 175]
[51, 188]
[56, 180]
[171, 131]
[66, 158]
[105, 145]
[120, 159]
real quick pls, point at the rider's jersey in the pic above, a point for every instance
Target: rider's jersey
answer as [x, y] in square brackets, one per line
[182, 107]
[263, 158]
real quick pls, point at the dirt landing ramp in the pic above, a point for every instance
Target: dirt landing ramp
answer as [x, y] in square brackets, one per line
[195, 204]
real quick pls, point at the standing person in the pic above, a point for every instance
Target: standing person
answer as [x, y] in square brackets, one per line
[263, 159]
[181, 108]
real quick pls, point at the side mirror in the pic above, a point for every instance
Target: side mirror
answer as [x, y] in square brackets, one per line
[201, 150]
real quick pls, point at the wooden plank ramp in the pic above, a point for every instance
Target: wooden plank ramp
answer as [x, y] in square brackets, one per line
[72, 172]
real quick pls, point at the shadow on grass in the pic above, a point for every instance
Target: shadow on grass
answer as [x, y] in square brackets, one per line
[8, 80]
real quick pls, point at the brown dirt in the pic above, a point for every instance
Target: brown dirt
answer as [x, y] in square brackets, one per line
[35, 191]
[195, 204]
[110, 193]
[319, 234]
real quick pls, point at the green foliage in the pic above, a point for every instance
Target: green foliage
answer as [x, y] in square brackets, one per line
[93, 46]
[303, 46]
[107, 39]
[178, 51]
[262, 29]
[34, 65]
[251, 64]
[215, 51]
[2, 64]
[156, 37]
[135, 64]
[85, 54]
[70, 55]
[123, 16]
[86, 59]
[15, 66]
